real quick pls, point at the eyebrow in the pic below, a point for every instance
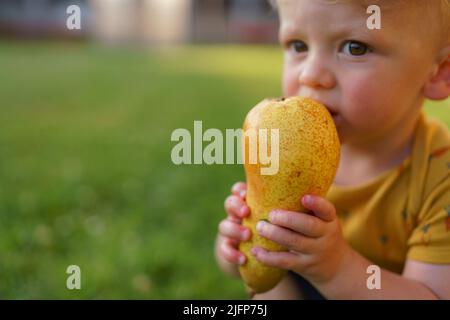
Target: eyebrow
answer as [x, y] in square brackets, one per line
[292, 32]
[289, 32]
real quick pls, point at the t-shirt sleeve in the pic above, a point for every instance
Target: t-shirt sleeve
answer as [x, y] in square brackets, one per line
[430, 239]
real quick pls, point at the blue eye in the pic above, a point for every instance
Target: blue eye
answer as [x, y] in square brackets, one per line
[355, 48]
[298, 46]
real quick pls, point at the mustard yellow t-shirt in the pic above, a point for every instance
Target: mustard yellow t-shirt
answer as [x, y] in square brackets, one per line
[405, 212]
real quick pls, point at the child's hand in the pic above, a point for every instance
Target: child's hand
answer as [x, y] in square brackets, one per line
[315, 242]
[231, 231]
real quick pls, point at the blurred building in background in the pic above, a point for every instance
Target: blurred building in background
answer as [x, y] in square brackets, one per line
[152, 22]
[24, 19]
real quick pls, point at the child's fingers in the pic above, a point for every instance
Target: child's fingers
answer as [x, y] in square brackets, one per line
[229, 253]
[233, 242]
[239, 189]
[287, 238]
[277, 259]
[236, 207]
[305, 224]
[233, 230]
[321, 207]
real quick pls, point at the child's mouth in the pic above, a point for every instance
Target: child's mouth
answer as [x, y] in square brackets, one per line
[336, 117]
[333, 114]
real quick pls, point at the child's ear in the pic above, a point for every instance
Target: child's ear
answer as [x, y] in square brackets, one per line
[438, 86]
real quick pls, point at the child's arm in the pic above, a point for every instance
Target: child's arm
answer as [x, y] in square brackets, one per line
[418, 281]
[319, 253]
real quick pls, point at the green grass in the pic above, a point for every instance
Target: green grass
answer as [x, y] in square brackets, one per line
[85, 170]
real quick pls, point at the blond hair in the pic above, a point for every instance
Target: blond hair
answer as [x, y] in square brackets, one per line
[438, 10]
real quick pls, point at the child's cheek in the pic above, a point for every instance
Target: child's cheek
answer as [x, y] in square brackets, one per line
[365, 104]
[290, 83]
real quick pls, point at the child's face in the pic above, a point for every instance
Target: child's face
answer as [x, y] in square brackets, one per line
[372, 79]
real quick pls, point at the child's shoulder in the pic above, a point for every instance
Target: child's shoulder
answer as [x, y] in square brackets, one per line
[429, 196]
[431, 155]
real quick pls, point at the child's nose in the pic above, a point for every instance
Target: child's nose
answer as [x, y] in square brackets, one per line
[316, 74]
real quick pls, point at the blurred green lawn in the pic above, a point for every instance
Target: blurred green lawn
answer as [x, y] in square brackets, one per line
[85, 170]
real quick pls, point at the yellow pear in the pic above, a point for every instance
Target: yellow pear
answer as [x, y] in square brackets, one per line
[309, 151]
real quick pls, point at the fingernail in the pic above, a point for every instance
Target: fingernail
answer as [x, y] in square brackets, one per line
[307, 199]
[272, 214]
[260, 226]
[254, 251]
[242, 194]
[241, 260]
